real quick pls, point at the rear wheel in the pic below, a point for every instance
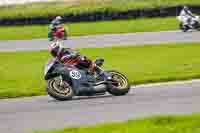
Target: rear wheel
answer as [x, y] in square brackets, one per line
[119, 84]
[58, 89]
[65, 37]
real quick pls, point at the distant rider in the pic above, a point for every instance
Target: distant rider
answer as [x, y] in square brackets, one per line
[70, 57]
[186, 13]
[53, 26]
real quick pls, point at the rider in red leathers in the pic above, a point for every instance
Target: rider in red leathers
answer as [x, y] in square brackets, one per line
[71, 57]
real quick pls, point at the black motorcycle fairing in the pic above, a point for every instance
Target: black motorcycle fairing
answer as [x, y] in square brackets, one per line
[79, 79]
[49, 68]
[85, 85]
[65, 81]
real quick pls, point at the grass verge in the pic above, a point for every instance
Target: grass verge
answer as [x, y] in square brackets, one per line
[85, 6]
[91, 28]
[22, 72]
[159, 124]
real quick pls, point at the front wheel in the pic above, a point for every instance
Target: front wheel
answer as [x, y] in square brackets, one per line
[185, 28]
[119, 85]
[58, 89]
[197, 26]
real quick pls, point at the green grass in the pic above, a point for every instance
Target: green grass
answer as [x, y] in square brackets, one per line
[158, 124]
[91, 28]
[22, 72]
[85, 6]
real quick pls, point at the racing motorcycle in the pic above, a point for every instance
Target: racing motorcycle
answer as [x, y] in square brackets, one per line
[63, 82]
[189, 23]
[60, 33]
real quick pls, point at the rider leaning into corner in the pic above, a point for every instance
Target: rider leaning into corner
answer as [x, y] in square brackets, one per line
[186, 13]
[52, 27]
[70, 57]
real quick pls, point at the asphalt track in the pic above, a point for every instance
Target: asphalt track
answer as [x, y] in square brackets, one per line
[43, 113]
[105, 40]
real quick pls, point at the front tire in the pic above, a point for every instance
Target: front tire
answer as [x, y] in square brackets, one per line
[58, 91]
[197, 26]
[119, 84]
[184, 28]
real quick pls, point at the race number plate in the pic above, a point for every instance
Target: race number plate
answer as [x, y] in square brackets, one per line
[75, 74]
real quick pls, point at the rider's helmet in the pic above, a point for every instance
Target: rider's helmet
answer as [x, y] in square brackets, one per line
[58, 18]
[55, 48]
[185, 8]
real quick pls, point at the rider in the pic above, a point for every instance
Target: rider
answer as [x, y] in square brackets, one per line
[185, 12]
[69, 56]
[52, 27]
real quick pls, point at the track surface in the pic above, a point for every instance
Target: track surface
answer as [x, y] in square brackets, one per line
[106, 40]
[24, 115]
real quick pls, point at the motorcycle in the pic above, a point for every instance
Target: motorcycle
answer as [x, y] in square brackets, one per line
[189, 23]
[63, 82]
[58, 33]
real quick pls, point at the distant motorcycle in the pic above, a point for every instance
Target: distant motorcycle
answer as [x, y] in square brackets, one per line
[60, 33]
[65, 81]
[189, 23]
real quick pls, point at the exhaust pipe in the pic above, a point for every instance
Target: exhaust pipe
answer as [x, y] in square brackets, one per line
[100, 83]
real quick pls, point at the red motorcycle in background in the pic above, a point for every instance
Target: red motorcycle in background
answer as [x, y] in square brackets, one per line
[60, 33]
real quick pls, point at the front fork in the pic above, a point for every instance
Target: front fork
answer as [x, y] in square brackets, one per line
[61, 81]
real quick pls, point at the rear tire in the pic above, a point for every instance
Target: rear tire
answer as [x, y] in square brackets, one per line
[61, 93]
[65, 35]
[123, 86]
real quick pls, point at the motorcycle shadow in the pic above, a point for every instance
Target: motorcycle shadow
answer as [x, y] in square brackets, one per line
[82, 98]
[91, 97]
[77, 98]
